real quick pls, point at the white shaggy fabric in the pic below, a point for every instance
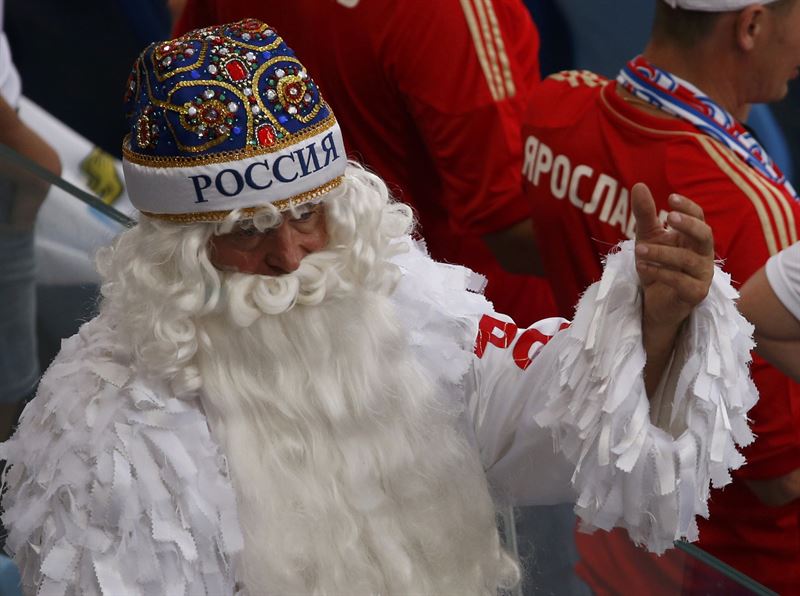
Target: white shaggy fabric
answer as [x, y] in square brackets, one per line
[117, 487]
[641, 465]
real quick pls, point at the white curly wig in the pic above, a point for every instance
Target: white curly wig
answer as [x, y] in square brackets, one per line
[158, 279]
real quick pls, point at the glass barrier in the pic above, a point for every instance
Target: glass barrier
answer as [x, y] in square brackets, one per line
[34, 182]
[558, 559]
[50, 229]
[48, 287]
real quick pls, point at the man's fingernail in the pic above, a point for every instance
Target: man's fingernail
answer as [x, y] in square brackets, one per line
[674, 217]
[676, 199]
[641, 249]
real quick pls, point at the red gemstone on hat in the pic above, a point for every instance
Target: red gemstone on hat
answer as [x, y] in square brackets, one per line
[236, 70]
[266, 136]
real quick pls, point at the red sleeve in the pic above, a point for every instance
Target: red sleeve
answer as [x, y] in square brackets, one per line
[465, 76]
[750, 220]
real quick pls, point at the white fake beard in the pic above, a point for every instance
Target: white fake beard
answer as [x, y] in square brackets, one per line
[351, 476]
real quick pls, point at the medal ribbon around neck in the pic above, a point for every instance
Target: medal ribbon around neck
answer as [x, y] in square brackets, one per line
[680, 98]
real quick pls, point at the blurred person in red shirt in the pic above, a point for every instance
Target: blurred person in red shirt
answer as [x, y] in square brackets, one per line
[672, 120]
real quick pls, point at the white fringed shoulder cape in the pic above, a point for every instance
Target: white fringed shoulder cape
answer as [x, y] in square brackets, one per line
[116, 486]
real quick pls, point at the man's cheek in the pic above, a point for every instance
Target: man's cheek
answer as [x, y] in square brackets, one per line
[226, 258]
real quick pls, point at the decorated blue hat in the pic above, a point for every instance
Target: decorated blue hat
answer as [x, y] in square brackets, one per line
[227, 118]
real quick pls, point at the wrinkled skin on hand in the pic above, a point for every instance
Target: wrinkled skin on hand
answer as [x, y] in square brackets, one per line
[675, 266]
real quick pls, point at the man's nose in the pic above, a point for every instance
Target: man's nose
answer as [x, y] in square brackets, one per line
[286, 252]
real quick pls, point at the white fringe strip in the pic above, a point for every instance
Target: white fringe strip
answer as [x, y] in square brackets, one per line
[114, 489]
[440, 304]
[630, 473]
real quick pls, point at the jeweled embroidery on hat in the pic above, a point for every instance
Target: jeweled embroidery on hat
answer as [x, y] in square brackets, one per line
[202, 104]
[220, 89]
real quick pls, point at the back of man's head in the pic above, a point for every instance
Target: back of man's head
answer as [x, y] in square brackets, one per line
[738, 52]
[682, 27]
[685, 23]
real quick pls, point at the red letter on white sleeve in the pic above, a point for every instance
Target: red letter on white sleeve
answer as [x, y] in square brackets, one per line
[492, 331]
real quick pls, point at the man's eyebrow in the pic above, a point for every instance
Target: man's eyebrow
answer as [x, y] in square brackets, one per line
[304, 209]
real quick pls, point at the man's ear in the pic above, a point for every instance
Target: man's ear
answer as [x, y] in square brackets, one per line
[750, 26]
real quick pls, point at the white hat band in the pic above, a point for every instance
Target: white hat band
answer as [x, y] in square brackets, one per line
[290, 176]
[714, 5]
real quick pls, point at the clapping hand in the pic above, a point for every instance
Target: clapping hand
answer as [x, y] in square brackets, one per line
[675, 266]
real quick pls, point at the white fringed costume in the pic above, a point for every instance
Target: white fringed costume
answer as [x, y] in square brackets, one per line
[118, 487]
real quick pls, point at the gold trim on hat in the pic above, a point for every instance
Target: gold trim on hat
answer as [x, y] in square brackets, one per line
[204, 49]
[257, 77]
[172, 161]
[247, 212]
[229, 87]
[221, 31]
[201, 56]
[181, 109]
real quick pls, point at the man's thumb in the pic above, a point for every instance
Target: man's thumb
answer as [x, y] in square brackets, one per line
[644, 211]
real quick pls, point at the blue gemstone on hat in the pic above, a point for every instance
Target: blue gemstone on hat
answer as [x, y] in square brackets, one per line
[266, 55]
[195, 74]
[237, 130]
[283, 119]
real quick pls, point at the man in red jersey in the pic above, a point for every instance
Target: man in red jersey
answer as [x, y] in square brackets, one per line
[431, 96]
[672, 120]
